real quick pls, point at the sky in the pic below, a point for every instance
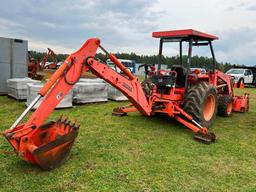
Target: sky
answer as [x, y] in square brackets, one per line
[127, 25]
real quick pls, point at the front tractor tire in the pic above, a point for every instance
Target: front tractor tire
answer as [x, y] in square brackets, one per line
[225, 105]
[201, 103]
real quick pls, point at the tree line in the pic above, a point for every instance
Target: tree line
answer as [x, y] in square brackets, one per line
[197, 61]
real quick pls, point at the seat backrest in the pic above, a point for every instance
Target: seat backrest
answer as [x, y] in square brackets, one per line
[181, 75]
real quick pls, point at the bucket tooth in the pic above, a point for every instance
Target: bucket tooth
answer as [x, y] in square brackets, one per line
[76, 127]
[72, 124]
[67, 123]
[64, 121]
[59, 121]
[60, 118]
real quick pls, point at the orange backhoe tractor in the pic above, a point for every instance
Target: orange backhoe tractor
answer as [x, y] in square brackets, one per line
[53, 64]
[35, 66]
[193, 99]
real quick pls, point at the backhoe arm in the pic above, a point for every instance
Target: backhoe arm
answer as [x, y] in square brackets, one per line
[47, 145]
[129, 85]
[57, 85]
[71, 70]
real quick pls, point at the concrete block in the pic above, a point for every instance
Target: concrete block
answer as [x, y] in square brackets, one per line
[90, 91]
[116, 95]
[17, 87]
[32, 92]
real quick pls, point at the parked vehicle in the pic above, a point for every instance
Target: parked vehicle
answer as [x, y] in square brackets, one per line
[59, 64]
[242, 75]
[130, 64]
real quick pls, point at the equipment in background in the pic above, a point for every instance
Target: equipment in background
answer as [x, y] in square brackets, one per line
[35, 66]
[192, 99]
[49, 65]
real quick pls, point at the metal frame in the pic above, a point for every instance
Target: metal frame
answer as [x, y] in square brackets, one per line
[188, 35]
[160, 54]
[191, 43]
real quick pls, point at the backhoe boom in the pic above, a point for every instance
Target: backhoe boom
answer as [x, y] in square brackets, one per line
[47, 144]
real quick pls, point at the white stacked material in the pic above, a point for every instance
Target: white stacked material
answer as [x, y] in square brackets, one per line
[17, 87]
[90, 91]
[96, 80]
[32, 93]
[115, 94]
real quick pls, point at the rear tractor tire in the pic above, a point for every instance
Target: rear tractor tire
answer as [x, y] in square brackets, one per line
[201, 103]
[225, 105]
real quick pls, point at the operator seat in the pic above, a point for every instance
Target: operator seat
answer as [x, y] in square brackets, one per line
[181, 75]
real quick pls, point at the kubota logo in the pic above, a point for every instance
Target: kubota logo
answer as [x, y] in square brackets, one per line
[58, 97]
[127, 86]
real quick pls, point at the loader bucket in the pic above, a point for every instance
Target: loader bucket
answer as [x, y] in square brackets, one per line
[47, 145]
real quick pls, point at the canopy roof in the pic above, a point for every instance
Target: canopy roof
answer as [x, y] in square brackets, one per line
[185, 34]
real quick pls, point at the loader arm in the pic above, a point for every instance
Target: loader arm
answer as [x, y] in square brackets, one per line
[47, 145]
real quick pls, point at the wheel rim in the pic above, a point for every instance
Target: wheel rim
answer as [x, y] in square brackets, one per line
[209, 107]
[230, 108]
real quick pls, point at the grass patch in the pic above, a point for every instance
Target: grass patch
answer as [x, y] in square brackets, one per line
[136, 153]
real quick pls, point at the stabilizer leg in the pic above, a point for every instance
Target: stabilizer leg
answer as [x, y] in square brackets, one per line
[201, 133]
[122, 111]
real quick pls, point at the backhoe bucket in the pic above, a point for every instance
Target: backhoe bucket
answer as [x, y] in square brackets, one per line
[47, 145]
